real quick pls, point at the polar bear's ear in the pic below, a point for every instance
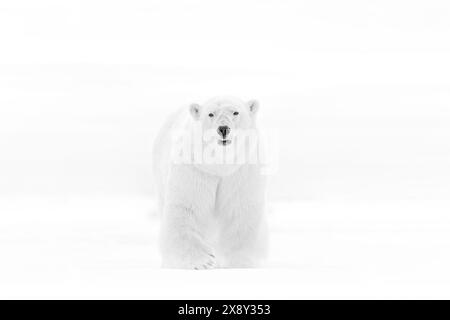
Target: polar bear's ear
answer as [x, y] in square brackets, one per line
[253, 106]
[194, 109]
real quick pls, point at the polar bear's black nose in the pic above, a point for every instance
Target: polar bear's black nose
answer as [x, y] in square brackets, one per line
[223, 130]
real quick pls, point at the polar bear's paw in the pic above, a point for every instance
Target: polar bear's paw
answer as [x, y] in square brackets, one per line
[208, 262]
[194, 257]
[198, 259]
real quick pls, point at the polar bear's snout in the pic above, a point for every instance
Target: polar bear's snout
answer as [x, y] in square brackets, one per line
[223, 131]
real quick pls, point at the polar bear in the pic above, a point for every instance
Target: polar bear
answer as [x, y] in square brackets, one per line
[213, 212]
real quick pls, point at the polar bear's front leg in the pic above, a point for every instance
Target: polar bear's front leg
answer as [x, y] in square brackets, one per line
[240, 209]
[188, 205]
[243, 238]
[243, 243]
[182, 242]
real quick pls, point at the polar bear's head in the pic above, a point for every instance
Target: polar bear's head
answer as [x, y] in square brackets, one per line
[223, 116]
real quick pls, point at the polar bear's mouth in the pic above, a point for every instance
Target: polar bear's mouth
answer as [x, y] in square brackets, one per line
[223, 142]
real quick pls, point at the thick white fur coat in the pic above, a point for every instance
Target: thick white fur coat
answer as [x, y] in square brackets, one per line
[209, 220]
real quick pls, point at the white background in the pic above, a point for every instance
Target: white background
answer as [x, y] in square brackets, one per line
[358, 92]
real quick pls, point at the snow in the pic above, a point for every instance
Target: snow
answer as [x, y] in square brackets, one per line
[106, 247]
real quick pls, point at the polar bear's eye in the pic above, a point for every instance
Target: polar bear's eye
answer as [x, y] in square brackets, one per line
[211, 115]
[235, 113]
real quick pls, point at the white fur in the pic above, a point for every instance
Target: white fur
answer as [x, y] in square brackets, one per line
[212, 215]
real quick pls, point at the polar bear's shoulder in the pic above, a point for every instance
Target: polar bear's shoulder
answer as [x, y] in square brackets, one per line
[162, 146]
